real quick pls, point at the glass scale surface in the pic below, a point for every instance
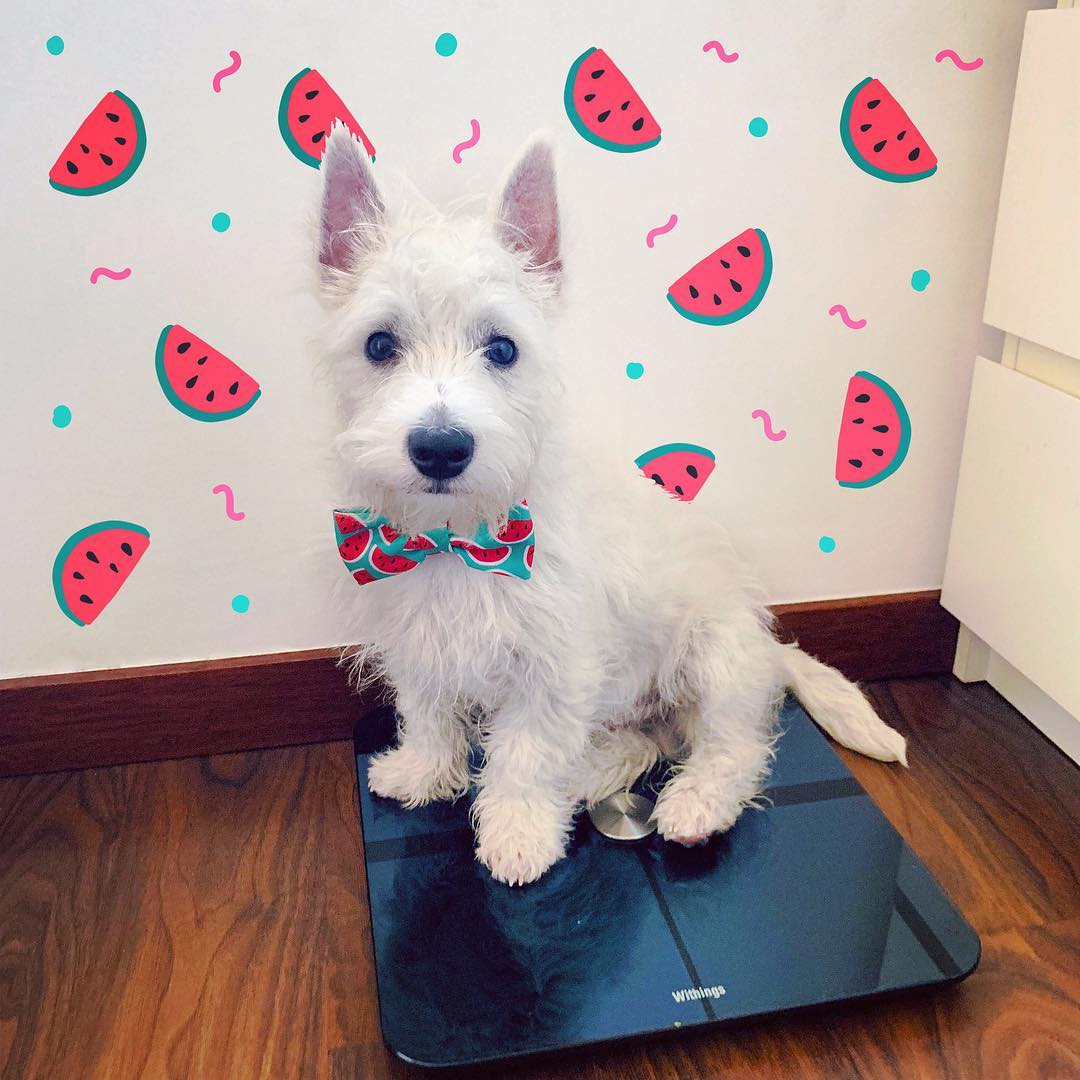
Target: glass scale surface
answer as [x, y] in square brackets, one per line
[814, 900]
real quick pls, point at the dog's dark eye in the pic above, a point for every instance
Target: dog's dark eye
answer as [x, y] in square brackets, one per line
[501, 351]
[381, 346]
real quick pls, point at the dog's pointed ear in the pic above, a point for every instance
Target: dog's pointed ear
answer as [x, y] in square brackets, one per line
[527, 210]
[351, 209]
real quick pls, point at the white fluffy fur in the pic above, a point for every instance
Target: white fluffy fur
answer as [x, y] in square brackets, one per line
[614, 652]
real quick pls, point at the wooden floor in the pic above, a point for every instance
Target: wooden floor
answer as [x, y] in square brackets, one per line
[205, 919]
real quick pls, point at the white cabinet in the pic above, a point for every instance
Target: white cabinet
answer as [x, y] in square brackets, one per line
[1012, 575]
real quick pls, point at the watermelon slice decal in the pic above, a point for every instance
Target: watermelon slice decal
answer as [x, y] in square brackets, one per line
[307, 111]
[875, 432]
[93, 564]
[681, 469]
[604, 108]
[105, 151]
[881, 138]
[200, 381]
[726, 285]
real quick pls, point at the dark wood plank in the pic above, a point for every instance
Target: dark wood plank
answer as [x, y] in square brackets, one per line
[208, 918]
[125, 715]
[183, 919]
[896, 636]
[989, 803]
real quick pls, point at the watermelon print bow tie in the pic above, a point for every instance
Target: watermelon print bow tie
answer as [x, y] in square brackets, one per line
[372, 549]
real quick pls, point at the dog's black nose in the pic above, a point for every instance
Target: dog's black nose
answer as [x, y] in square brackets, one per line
[440, 453]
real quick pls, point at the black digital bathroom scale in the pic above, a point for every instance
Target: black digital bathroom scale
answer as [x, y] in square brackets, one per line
[815, 899]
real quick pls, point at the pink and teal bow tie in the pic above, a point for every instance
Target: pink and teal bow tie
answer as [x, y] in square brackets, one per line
[373, 549]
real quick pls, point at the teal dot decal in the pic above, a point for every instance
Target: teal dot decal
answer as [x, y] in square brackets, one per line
[634, 370]
[827, 544]
[240, 603]
[61, 416]
[55, 45]
[758, 127]
[220, 221]
[446, 44]
[920, 279]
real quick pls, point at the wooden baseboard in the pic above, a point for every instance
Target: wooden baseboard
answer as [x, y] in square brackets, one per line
[93, 718]
[896, 636]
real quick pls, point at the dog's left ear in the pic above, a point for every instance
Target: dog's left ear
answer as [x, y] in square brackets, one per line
[527, 210]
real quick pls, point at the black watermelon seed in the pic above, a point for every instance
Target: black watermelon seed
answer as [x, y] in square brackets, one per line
[77, 574]
[656, 479]
[692, 470]
[105, 158]
[865, 127]
[210, 396]
[900, 137]
[85, 599]
[192, 381]
[303, 119]
[604, 115]
[120, 139]
[317, 136]
[92, 557]
[873, 104]
[311, 95]
[862, 398]
[716, 300]
[856, 462]
[235, 386]
[85, 149]
[678, 489]
[183, 346]
[624, 106]
[725, 264]
[201, 360]
[639, 123]
[597, 73]
[693, 292]
[743, 251]
[72, 167]
[735, 285]
[876, 451]
[881, 427]
[112, 116]
[112, 567]
[589, 97]
[914, 154]
[879, 146]
[125, 547]
[859, 420]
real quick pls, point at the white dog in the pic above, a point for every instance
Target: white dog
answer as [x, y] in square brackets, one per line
[442, 349]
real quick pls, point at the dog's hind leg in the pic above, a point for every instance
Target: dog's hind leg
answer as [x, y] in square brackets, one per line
[616, 758]
[729, 687]
[431, 760]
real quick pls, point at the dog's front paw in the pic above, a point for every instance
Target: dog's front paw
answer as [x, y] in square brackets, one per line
[517, 845]
[414, 778]
[687, 815]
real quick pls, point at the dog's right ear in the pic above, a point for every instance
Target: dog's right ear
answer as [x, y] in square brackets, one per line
[351, 209]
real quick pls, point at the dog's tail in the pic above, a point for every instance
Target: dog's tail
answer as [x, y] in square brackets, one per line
[840, 709]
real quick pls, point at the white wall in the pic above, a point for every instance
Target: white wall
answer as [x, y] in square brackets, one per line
[838, 236]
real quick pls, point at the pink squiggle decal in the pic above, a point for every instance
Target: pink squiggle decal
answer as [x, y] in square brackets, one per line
[231, 69]
[104, 271]
[652, 234]
[963, 65]
[845, 318]
[230, 512]
[766, 423]
[471, 141]
[728, 58]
